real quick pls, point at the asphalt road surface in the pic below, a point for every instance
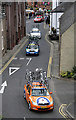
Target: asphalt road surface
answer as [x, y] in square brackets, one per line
[13, 103]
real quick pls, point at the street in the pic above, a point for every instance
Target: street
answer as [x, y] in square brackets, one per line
[13, 103]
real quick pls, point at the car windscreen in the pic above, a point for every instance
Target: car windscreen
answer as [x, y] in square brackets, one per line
[40, 92]
[39, 17]
[32, 47]
[35, 31]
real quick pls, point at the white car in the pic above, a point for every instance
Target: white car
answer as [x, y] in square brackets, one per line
[35, 33]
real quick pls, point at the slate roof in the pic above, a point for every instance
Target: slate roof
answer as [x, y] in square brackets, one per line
[68, 18]
[62, 7]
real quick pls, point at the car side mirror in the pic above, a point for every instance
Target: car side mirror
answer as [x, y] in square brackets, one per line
[50, 92]
[28, 93]
[28, 35]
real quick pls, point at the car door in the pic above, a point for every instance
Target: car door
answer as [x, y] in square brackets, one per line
[28, 93]
[43, 18]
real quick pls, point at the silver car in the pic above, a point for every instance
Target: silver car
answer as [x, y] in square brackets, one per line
[35, 33]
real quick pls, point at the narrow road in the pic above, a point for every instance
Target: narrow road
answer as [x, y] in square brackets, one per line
[13, 103]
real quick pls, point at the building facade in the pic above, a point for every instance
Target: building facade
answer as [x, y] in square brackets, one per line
[15, 18]
[67, 39]
[12, 24]
[3, 35]
[40, 4]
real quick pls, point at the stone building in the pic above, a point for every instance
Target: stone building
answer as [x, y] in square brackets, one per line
[3, 35]
[15, 19]
[40, 4]
[67, 38]
[67, 35]
[12, 24]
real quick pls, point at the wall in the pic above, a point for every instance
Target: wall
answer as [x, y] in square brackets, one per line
[15, 23]
[67, 49]
[75, 44]
[4, 36]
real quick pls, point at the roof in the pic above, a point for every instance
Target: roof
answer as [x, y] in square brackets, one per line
[62, 7]
[68, 18]
[35, 29]
[37, 85]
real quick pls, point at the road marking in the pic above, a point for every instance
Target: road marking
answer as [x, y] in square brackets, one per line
[51, 57]
[22, 58]
[49, 67]
[24, 118]
[15, 58]
[45, 26]
[14, 70]
[47, 39]
[61, 110]
[3, 87]
[27, 21]
[68, 111]
[6, 65]
[29, 60]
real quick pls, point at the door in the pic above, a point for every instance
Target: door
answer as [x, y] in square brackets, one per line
[28, 93]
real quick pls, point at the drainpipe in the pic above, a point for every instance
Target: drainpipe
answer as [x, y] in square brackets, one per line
[59, 44]
[25, 18]
[56, 16]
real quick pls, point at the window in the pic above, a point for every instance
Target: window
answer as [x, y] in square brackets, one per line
[29, 88]
[40, 92]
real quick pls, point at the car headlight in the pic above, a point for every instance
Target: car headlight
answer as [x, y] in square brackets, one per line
[36, 50]
[51, 102]
[27, 50]
[34, 103]
[39, 34]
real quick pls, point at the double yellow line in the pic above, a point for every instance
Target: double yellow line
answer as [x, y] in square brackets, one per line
[49, 67]
[62, 112]
[6, 65]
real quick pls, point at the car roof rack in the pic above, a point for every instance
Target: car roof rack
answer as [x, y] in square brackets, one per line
[37, 76]
[36, 26]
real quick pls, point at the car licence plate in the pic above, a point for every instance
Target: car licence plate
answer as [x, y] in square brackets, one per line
[32, 52]
[43, 107]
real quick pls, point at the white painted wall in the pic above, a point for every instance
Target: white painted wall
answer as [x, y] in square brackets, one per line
[54, 17]
[54, 21]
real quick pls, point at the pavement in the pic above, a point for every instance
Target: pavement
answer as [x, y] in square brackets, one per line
[70, 109]
[10, 53]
